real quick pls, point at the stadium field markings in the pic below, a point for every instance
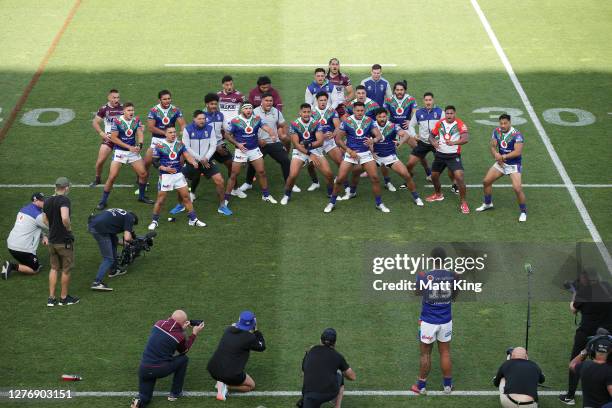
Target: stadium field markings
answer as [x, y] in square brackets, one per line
[268, 65]
[426, 185]
[39, 71]
[571, 188]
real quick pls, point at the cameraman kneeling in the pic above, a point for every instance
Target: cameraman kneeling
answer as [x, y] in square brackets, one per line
[518, 380]
[104, 227]
[596, 374]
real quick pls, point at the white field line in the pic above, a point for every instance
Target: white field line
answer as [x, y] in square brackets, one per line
[356, 393]
[571, 188]
[426, 185]
[269, 65]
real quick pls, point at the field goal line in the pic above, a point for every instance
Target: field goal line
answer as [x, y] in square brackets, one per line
[571, 188]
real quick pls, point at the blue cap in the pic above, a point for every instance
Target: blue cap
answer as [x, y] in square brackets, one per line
[246, 321]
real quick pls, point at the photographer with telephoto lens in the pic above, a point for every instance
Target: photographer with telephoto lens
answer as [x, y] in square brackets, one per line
[518, 380]
[593, 299]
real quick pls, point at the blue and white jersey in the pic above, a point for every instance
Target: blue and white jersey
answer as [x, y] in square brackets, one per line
[200, 142]
[126, 130]
[426, 119]
[386, 146]
[169, 155]
[216, 120]
[357, 131]
[436, 305]
[506, 142]
[27, 231]
[325, 118]
[400, 109]
[314, 88]
[377, 90]
[164, 117]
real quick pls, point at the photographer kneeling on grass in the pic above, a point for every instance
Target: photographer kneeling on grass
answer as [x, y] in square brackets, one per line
[104, 227]
[518, 380]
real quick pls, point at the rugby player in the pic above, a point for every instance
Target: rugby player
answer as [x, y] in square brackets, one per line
[377, 87]
[307, 139]
[111, 110]
[216, 119]
[128, 138]
[342, 86]
[321, 84]
[506, 148]
[229, 100]
[360, 96]
[435, 323]
[361, 134]
[447, 137]
[167, 158]
[243, 133]
[328, 121]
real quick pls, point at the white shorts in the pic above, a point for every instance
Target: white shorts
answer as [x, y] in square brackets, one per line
[249, 156]
[170, 182]
[296, 154]
[155, 141]
[385, 160]
[428, 333]
[508, 168]
[125, 156]
[362, 158]
[328, 145]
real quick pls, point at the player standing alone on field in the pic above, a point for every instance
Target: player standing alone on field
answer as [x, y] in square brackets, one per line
[436, 321]
[107, 113]
[507, 149]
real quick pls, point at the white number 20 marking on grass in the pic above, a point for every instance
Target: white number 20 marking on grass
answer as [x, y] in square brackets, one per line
[553, 116]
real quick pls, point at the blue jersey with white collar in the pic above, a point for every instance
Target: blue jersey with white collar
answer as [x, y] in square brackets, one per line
[506, 143]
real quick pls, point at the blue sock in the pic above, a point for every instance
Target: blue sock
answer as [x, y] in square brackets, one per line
[415, 195]
[488, 199]
[353, 189]
[155, 217]
[387, 179]
[428, 171]
[265, 192]
[192, 215]
[105, 195]
[227, 196]
[523, 208]
[330, 189]
[288, 193]
[421, 384]
[378, 200]
[346, 184]
[448, 381]
[141, 189]
[333, 199]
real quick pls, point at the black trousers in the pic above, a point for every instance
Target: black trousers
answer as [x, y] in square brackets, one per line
[580, 341]
[147, 375]
[278, 153]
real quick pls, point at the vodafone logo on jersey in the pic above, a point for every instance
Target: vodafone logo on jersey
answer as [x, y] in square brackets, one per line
[323, 121]
[359, 132]
[503, 144]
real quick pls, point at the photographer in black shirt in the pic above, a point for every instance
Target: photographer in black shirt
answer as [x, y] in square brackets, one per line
[324, 372]
[518, 380]
[593, 299]
[595, 373]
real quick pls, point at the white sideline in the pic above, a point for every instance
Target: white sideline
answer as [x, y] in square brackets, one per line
[269, 65]
[355, 393]
[426, 185]
[571, 188]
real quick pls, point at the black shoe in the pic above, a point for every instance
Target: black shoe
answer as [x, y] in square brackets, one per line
[455, 189]
[95, 183]
[566, 399]
[100, 206]
[100, 286]
[117, 272]
[7, 268]
[146, 200]
[69, 300]
[51, 302]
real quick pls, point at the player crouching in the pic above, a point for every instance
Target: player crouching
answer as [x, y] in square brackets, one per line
[167, 158]
[506, 148]
[307, 138]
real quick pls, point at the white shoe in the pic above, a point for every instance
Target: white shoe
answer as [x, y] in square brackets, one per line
[192, 196]
[296, 189]
[328, 208]
[238, 193]
[522, 217]
[484, 207]
[448, 389]
[419, 202]
[428, 178]
[347, 189]
[269, 199]
[221, 391]
[196, 223]
[383, 208]
[285, 200]
[314, 186]
[389, 186]
[153, 225]
[347, 196]
[244, 187]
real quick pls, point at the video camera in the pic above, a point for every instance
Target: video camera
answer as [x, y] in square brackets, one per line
[133, 249]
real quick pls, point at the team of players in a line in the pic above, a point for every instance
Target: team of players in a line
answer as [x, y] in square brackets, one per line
[358, 130]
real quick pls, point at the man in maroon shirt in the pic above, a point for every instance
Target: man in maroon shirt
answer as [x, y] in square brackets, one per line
[264, 85]
[112, 109]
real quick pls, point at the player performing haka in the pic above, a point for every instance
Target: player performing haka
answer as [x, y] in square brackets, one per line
[216, 119]
[447, 137]
[229, 100]
[127, 136]
[360, 134]
[506, 148]
[167, 158]
[342, 86]
[111, 110]
[243, 133]
[307, 139]
[360, 96]
[328, 123]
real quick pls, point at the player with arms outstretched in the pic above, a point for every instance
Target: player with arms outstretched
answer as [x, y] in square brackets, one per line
[106, 114]
[507, 149]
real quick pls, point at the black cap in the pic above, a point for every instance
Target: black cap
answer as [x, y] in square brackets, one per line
[328, 337]
[38, 196]
[603, 345]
